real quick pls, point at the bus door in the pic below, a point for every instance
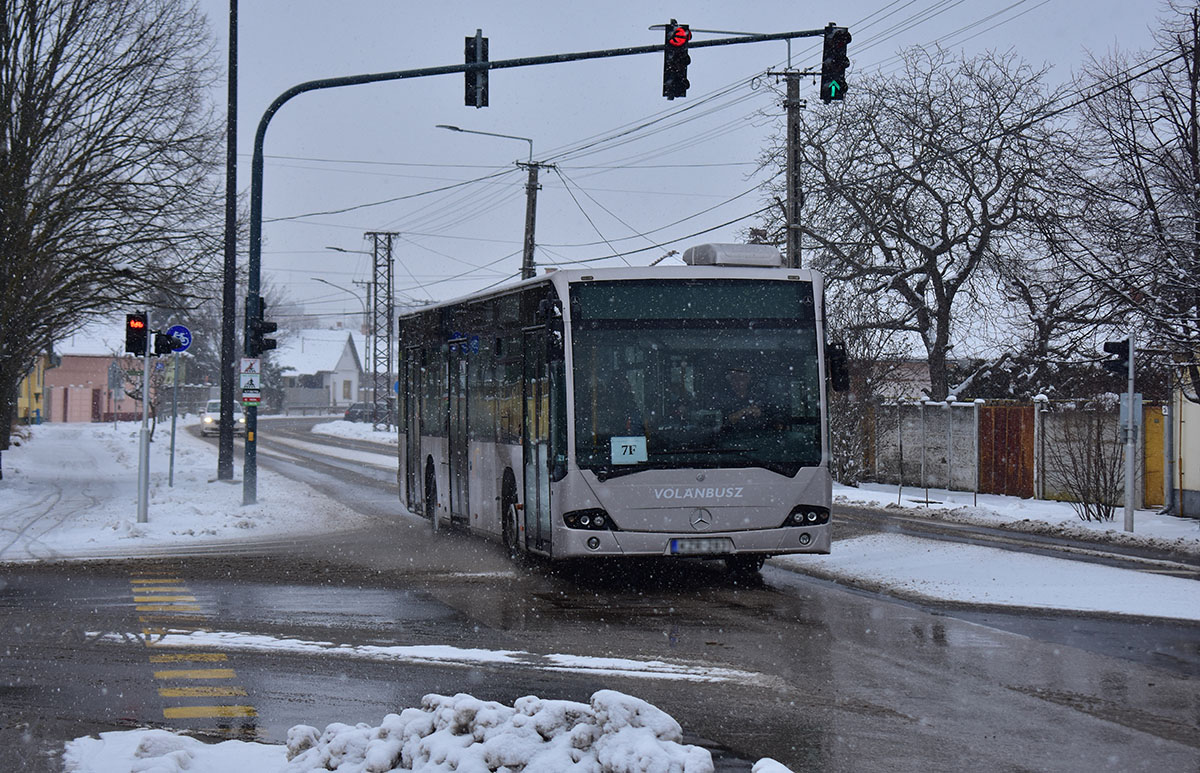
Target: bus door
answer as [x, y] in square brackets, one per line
[460, 473]
[412, 429]
[536, 441]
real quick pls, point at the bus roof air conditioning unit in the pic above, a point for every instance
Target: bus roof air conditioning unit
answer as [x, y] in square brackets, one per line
[733, 255]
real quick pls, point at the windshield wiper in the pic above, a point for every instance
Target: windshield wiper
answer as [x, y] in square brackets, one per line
[605, 473]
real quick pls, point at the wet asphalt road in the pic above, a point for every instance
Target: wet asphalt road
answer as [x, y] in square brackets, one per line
[827, 678]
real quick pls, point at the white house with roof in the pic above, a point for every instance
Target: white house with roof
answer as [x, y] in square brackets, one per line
[327, 360]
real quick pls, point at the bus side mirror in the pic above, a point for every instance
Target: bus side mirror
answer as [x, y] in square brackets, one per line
[839, 371]
[555, 336]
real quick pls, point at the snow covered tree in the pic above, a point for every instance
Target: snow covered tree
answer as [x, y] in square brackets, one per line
[919, 183]
[107, 151]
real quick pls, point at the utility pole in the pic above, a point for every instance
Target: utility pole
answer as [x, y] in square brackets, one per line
[229, 285]
[528, 271]
[382, 314]
[795, 196]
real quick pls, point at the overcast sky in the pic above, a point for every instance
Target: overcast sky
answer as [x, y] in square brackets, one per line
[637, 174]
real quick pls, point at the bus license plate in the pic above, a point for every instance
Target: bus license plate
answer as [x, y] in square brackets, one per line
[701, 546]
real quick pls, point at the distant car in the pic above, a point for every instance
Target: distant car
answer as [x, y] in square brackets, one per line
[210, 419]
[359, 412]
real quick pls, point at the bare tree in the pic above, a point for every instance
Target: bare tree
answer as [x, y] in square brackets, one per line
[107, 151]
[1138, 234]
[1086, 458]
[919, 183]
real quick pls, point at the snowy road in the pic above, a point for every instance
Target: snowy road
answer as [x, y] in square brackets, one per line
[349, 625]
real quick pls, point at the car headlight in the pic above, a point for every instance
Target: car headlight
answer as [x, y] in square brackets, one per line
[242, 420]
[207, 420]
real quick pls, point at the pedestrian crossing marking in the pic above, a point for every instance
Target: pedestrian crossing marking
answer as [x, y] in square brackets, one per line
[169, 597]
[196, 673]
[201, 692]
[205, 712]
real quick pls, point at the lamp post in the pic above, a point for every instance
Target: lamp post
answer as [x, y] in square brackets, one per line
[531, 189]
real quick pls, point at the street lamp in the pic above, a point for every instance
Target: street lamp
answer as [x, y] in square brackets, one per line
[531, 189]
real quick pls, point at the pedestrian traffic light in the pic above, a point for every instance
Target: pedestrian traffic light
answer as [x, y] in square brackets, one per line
[135, 333]
[834, 62]
[1120, 364]
[477, 80]
[257, 327]
[676, 60]
[164, 344]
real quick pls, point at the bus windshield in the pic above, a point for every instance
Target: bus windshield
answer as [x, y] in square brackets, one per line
[695, 374]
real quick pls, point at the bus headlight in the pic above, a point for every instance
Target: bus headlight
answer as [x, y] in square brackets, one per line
[807, 515]
[593, 519]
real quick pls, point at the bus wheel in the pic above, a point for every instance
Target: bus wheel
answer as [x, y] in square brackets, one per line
[744, 564]
[508, 528]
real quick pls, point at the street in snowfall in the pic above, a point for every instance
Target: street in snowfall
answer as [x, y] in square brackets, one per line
[329, 626]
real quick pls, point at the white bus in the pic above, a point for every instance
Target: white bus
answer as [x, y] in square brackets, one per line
[653, 411]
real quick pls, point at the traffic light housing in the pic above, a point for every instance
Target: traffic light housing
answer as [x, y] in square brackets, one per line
[164, 344]
[834, 62]
[135, 333]
[257, 327]
[676, 60]
[477, 80]
[1120, 350]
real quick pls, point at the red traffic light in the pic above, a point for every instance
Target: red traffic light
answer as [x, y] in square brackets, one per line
[137, 323]
[679, 36]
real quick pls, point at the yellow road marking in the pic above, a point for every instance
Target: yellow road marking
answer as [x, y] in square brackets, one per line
[201, 712]
[161, 589]
[173, 618]
[163, 598]
[167, 608]
[200, 692]
[154, 578]
[193, 657]
[196, 673]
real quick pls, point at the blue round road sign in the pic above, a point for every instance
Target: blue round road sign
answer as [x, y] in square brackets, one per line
[183, 335]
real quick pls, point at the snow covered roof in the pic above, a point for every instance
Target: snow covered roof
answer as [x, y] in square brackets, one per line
[316, 351]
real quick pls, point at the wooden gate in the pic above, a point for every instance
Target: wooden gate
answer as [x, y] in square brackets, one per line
[1006, 450]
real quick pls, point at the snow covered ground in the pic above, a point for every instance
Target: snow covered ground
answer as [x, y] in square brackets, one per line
[70, 491]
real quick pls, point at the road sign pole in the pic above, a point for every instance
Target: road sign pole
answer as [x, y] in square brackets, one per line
[174, 414]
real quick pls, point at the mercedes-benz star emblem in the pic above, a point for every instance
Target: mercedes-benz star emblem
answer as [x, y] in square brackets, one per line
[701, 519]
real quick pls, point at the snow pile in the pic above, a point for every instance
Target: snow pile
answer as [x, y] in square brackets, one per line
[612, 733]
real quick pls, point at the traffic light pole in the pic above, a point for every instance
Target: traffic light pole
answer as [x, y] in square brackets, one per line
[143, 506]
[254, 264]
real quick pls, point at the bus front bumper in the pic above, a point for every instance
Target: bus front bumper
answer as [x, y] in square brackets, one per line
[572, 543]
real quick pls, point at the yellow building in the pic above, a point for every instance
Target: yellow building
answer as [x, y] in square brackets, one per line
[31, 408]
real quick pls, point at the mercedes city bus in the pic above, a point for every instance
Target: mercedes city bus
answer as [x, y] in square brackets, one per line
[650, 411]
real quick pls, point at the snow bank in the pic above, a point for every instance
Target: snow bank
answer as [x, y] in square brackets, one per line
[612, 733]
